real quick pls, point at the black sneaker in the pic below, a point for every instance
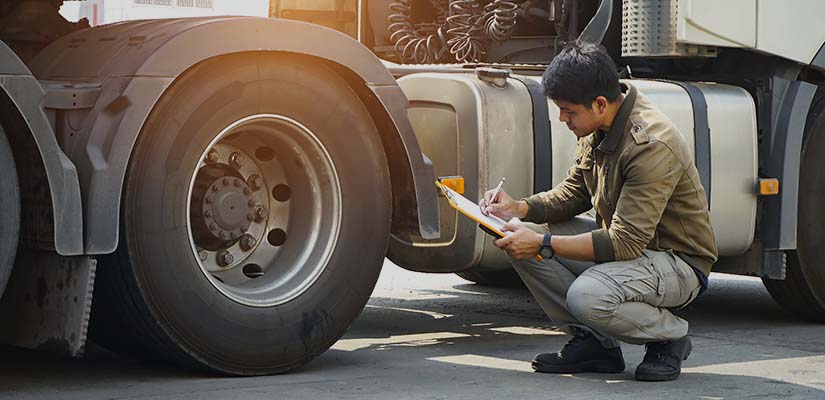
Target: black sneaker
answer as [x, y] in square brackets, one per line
[663, 360]
[583, 353]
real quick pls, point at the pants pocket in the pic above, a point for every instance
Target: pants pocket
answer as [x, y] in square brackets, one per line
[678, 283]
[633, 280]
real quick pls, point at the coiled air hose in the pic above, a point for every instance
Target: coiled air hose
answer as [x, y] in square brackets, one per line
[462, 28]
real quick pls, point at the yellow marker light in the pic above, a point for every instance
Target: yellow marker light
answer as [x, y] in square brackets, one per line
[453, 182]
[769, 187]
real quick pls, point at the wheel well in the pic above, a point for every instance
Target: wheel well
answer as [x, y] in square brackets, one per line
[404, 208]
[37, 215]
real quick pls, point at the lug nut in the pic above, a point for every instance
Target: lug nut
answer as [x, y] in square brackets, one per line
[215, 188]
[209, 200]
[248, 242]
[207, 214]
[213, 156]
[202, 255]
[225, 258]
[213, 226]
[260, 213]
[236, 160]
[225, 182]
[247, 191]
[255, 182]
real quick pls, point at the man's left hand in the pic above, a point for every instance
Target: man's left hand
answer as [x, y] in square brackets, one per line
[521, 244]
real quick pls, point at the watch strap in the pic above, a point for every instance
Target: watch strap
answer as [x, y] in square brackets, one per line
[546, 241]
[546, 249]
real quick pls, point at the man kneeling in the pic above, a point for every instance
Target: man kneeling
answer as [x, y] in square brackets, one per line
[651, 246]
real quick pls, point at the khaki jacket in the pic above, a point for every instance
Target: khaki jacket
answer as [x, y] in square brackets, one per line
[645, 188]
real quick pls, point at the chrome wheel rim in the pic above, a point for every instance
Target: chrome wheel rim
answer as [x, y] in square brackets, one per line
[264, 210]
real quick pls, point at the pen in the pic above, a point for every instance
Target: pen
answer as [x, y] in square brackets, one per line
[496, 192]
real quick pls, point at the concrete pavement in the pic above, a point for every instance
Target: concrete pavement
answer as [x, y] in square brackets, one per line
[440, 337]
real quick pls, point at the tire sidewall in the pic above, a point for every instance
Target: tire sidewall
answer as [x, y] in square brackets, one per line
[209, 326]
[811, 219]
[9, 210]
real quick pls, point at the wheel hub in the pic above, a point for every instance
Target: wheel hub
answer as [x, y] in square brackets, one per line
[228, 208]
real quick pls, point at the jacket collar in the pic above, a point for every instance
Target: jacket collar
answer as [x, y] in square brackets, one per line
[617, 130]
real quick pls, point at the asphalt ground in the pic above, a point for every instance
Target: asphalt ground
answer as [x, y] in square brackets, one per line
[428, 336]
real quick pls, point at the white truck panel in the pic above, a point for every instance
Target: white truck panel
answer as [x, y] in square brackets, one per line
[794, 30]
[731, 23]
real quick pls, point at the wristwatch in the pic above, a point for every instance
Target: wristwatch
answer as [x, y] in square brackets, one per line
[546, 250]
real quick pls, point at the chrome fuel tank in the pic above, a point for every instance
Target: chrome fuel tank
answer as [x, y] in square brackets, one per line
[478, 131]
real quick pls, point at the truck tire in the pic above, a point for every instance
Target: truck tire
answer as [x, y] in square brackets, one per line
[493, 278]
[9, 210]
[803, 291]
[255, 219]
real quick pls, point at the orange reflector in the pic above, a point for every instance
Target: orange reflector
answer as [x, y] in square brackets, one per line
[769, 187]
[453, 182]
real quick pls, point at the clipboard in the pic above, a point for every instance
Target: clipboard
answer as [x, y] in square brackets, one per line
[490, 224]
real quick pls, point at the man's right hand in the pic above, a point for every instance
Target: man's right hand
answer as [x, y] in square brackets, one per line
[503, 206]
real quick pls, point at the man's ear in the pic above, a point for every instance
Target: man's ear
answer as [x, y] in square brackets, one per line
[600, 105]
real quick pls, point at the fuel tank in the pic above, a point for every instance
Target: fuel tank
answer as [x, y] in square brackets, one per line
[483, 131]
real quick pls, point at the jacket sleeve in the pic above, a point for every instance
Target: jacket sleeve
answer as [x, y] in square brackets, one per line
[567, 200]
[651, 174]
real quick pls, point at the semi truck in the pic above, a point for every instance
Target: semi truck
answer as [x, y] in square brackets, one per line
[221, 192]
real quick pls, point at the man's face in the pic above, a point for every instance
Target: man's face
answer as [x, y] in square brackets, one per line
[580, 119]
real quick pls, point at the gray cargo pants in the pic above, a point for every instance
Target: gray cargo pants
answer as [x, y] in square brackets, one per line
[623, 300]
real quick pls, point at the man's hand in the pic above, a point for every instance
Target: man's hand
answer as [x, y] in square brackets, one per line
[521, 244]
[502, 206]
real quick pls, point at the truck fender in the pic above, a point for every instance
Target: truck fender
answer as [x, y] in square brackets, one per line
[788, 103]
[136, 62]
[22, 114]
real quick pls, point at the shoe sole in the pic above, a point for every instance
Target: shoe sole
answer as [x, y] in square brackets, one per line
[657, 377]
[666, 377]
[586, 366]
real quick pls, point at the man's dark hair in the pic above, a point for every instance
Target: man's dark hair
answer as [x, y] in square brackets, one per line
[580, 73]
